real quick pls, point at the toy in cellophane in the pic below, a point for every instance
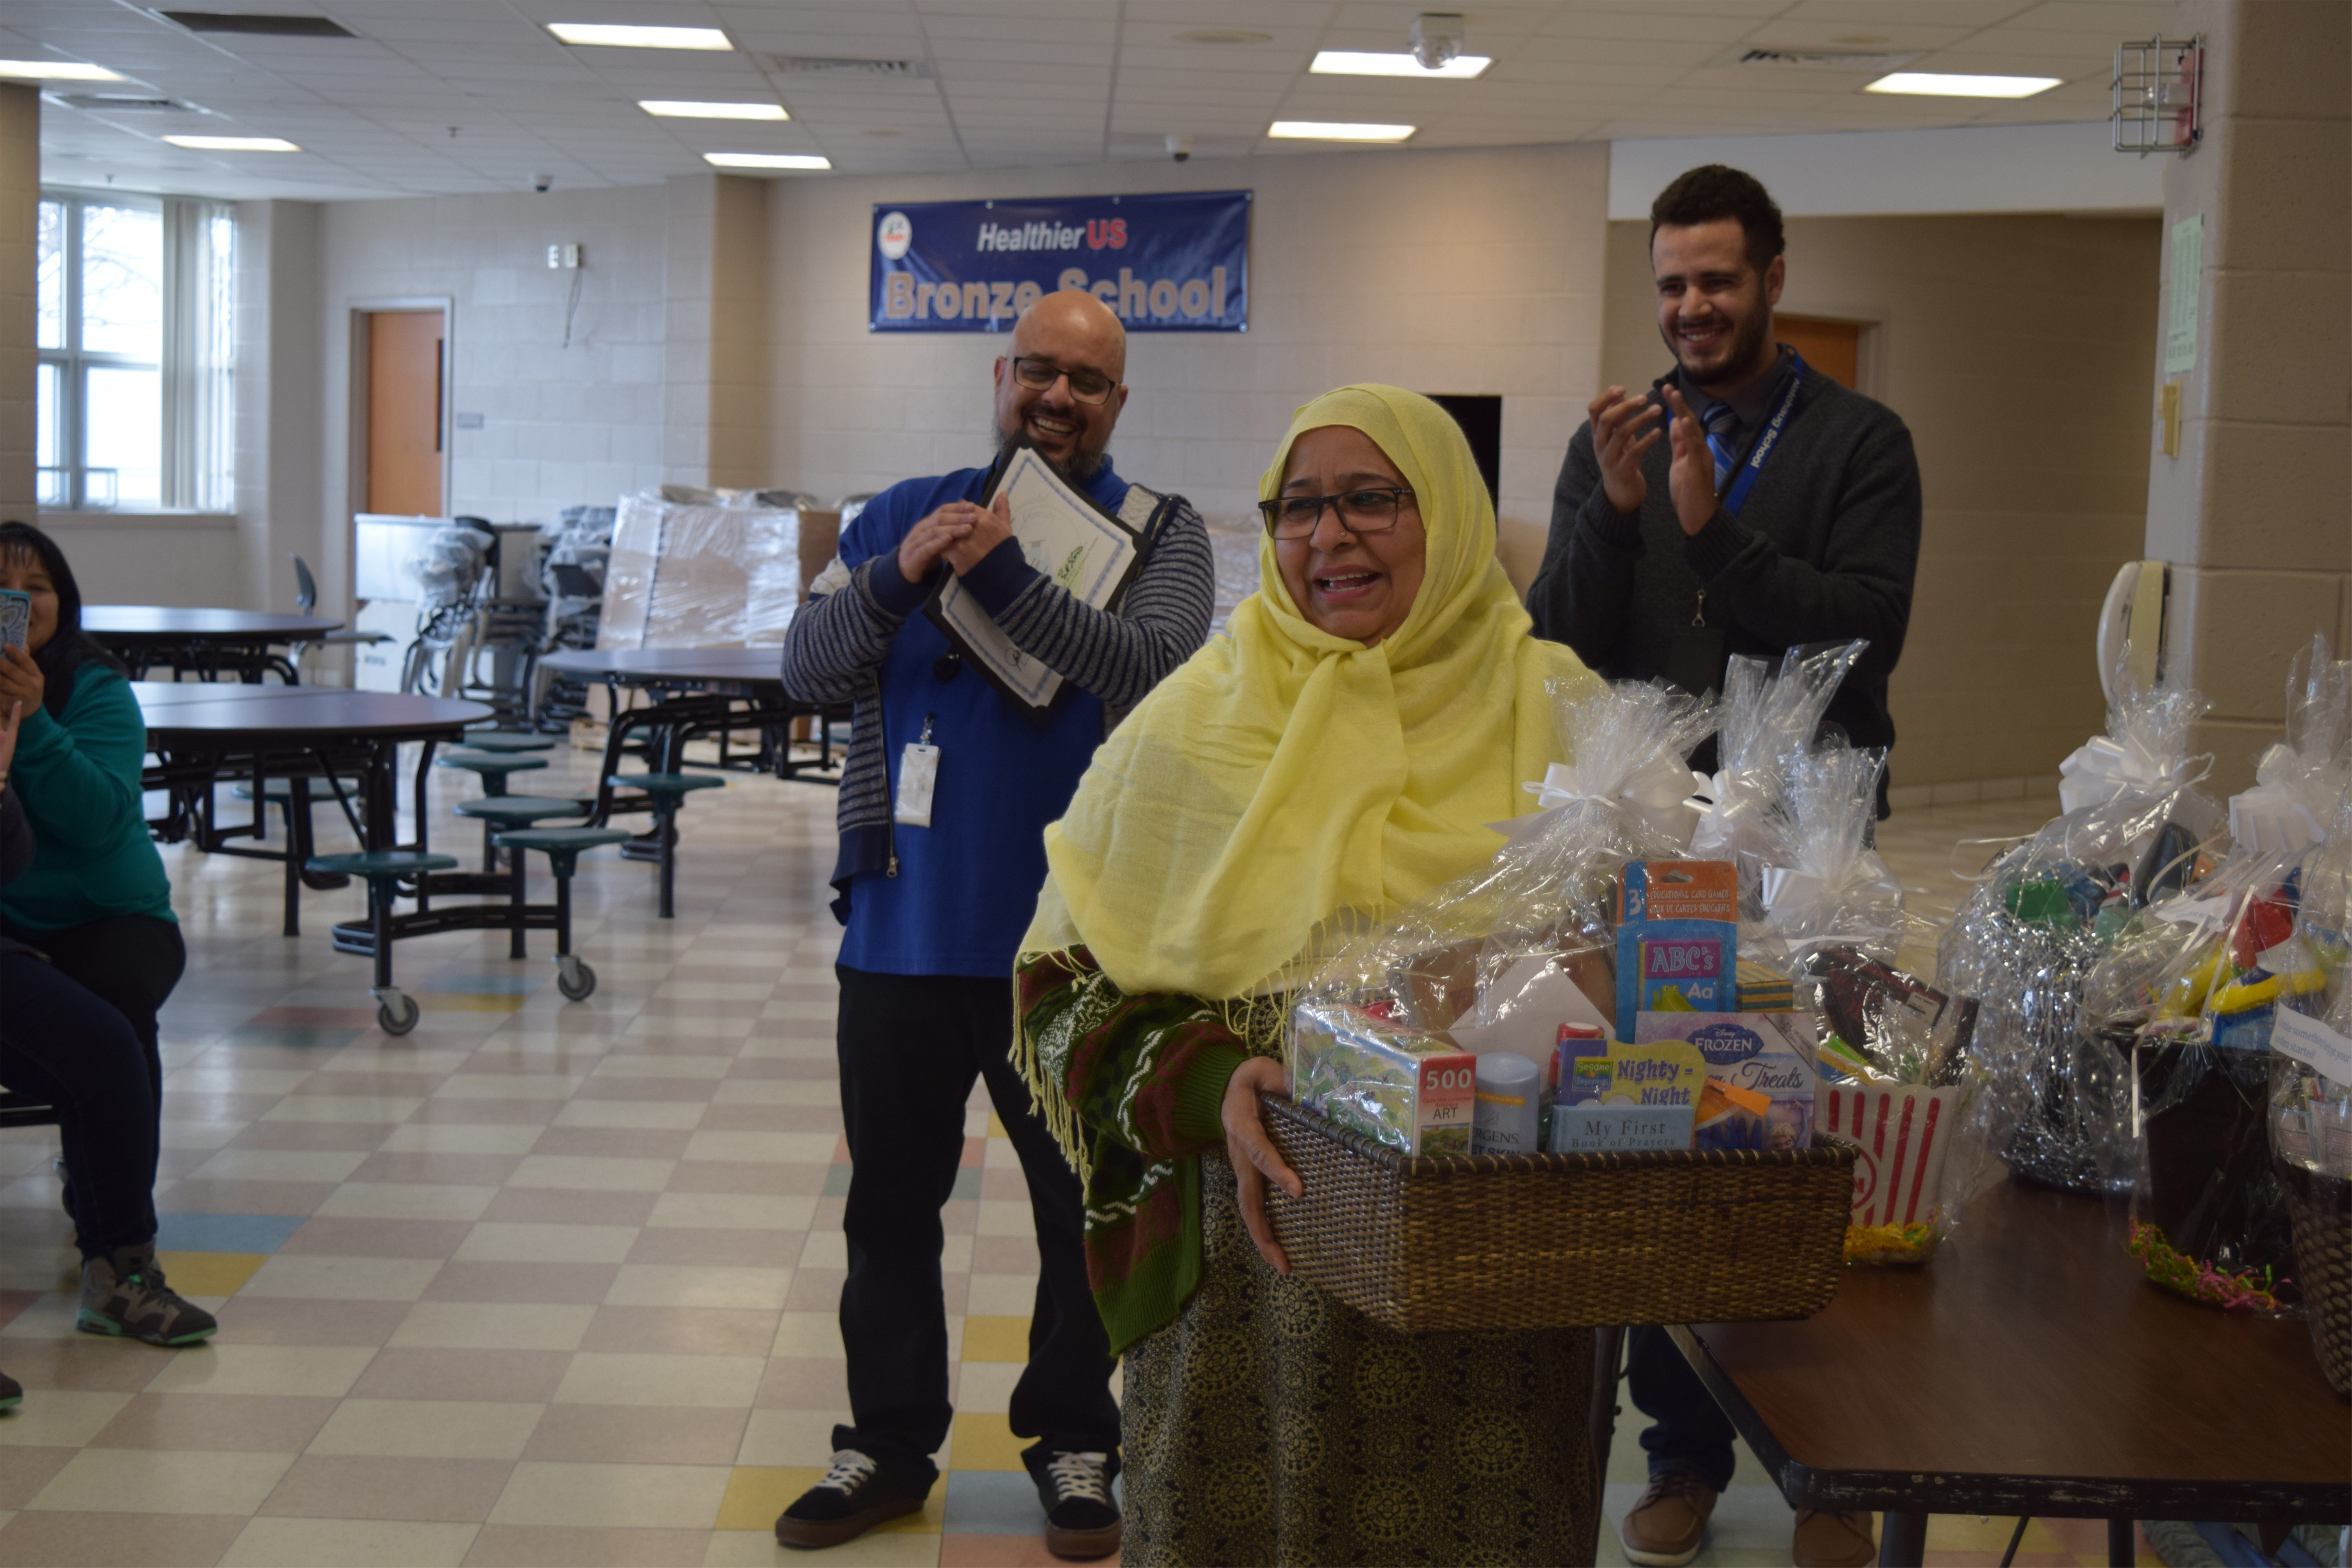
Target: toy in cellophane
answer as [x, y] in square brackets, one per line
[2225, 1088]
[1500, 958]
[2043, 915]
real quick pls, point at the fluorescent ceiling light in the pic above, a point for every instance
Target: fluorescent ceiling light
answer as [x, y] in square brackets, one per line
[1934, 84]
[689, 108]
[55, 70]
[616, 36]
[234, 143]
[1353, 62]
[766, 159]
[1338, 131]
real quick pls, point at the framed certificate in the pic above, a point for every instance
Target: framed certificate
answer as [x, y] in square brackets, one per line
[1066, 536]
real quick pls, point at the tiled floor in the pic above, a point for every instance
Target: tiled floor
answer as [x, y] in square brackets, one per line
[543, 1282]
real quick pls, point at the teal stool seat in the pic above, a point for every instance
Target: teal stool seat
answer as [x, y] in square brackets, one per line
[497, 811]
[395, 1013]
[518, 809]
[508, 740]
[490, 767]
[665, 783]
[279, 792]
[562, 846]
[383, 863]
[275, 790]
[664, 791]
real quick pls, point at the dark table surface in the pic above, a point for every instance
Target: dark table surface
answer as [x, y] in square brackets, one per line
[197, 709]
[112, 622]
[2030, 1367]
[763, 664]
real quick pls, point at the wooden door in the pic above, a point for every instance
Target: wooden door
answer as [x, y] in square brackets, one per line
[1833, 348]
[404, 412]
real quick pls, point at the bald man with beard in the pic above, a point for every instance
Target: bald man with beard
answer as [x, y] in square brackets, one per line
[933, 914]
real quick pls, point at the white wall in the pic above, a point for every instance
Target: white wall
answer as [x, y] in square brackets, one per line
[560, 424]
[1475, 271]
[2069, 168]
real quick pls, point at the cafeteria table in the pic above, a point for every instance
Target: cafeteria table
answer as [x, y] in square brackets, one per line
[207, 642]
[694, 691]
[200, 731]
[2029, 1368]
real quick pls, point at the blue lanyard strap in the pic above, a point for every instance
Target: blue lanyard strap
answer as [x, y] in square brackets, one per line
[1737, 495]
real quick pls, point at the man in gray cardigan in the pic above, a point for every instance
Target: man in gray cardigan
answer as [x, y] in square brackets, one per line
[1745, 528]
[1745, 504]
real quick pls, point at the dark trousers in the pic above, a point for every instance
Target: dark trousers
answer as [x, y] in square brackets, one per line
[60, 1043]
[129, 962]
[1690, 1432]
[909, 1047]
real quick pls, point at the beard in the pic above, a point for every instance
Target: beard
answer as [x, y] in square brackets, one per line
[1751, 346]
[1083, 465]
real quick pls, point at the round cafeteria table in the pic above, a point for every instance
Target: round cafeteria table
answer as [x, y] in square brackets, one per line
[199, 731]
[695, 692]
[210, 642]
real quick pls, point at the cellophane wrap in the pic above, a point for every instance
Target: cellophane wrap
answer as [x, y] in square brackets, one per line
[1900, 1084]
[2058, 1095]
[2256, 944]
[2311, 1109]
[1498, 960]
[1820, 881]
[1769, 718]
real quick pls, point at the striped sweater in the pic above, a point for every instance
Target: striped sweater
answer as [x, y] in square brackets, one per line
[836, 646]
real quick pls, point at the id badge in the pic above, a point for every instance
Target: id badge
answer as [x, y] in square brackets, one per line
[1695, 662]
[919, 776]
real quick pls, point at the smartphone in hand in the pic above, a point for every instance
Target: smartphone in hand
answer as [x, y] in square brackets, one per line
[15, 617]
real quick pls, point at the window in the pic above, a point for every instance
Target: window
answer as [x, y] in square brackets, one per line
[135, 312]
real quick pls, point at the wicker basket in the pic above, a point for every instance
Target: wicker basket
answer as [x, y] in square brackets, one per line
[1559, 1241]
[2321, 1207]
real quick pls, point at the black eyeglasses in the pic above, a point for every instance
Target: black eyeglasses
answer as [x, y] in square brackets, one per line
[1038, 374]
[1360, 511]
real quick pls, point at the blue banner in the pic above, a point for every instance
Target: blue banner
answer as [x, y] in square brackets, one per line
[1175, 263]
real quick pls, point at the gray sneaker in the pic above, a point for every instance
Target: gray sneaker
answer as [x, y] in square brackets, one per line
[126, 1295]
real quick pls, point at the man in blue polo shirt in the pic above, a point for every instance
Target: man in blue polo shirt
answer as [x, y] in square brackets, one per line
[934, 912]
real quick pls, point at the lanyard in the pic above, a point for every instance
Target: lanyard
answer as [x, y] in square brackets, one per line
[1744, 480]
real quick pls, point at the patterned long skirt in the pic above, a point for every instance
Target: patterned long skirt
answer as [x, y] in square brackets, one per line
[1271, 1425]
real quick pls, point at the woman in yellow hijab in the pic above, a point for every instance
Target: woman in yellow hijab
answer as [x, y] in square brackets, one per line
[1337, 754]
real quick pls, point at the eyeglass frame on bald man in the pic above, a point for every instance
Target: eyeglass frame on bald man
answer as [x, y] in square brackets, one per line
[1358, 520]
[1054, 372]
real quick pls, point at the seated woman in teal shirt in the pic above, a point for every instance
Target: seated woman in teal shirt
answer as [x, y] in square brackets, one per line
[95, 899]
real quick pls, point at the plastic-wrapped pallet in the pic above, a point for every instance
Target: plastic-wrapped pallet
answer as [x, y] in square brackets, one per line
[702, 568]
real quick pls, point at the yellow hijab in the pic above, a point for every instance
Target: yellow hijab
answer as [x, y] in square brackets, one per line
[1283, 774]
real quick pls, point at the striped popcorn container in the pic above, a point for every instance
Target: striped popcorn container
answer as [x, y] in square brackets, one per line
[1900, 1133]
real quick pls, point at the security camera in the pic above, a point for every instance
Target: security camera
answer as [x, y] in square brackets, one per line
[543, 183]
[1437, 38]
[1180, 148]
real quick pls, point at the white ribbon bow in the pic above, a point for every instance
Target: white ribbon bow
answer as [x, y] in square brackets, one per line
[1731, 812]
[2102, 768]
[1654, 796]
[2276, 816]
[1801, 901]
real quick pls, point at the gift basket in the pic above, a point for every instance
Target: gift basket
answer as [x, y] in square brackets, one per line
[2042, 917]
[1531, 1099]
[2216, 993]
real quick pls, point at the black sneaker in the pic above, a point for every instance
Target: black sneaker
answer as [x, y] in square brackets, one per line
[126, 1295]
[1081, 1520]
[12, 1393]
[856, 1494]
